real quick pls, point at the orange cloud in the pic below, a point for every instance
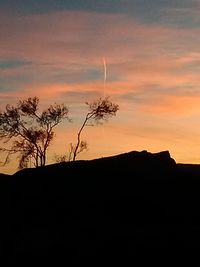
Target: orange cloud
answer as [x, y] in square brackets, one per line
[177, 105]
[152, 74]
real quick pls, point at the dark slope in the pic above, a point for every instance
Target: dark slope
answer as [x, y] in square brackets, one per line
[135, 208]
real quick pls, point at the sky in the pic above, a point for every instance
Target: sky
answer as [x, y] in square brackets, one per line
[55, 50]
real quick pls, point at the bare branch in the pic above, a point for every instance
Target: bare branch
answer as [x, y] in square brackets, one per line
[98, 111]
[30, 133]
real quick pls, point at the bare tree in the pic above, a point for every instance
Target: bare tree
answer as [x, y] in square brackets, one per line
[60, 158]
[30, 132]
[98, 111]
[69, 156]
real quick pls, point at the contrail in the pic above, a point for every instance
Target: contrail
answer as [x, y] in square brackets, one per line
[104, 89]
[105, 76]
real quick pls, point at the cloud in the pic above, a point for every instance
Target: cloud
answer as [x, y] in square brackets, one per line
[180, 13]
[174, 105]
[74, 44]
[81, 37]
[10, 64]
[152, 71]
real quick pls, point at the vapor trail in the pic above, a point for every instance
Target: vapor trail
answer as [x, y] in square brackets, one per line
[105, 76]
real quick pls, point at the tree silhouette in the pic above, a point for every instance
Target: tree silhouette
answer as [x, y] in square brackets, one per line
[58, 158]
[31, 133]
[98, 111]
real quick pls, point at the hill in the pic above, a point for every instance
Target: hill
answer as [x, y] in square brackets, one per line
[133, 208]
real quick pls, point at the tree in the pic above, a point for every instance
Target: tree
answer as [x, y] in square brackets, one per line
[98, 111]
[31, 133]
[58, 158]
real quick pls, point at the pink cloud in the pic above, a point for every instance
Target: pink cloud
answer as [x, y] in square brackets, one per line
[81, 37]
[136, 53]
[153, 64]
[177, 105]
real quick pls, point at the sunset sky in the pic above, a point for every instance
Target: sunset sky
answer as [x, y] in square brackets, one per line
[54, 49]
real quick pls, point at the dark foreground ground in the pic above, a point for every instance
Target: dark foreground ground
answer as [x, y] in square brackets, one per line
[134, 209]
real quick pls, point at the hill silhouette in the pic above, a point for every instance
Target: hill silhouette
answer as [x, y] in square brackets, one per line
[133, 208]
